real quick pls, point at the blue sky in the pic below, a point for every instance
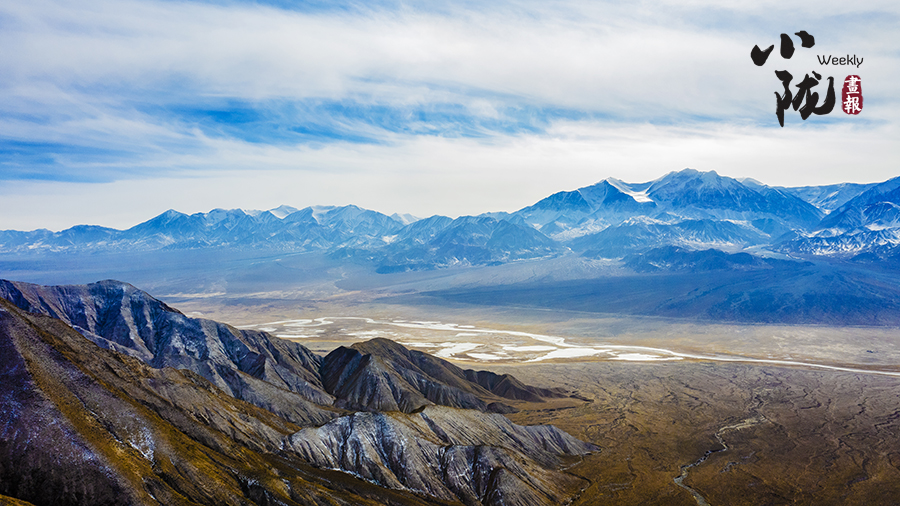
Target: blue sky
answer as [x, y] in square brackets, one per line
[114, 111]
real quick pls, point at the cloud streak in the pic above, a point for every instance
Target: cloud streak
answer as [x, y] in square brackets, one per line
[106, 91]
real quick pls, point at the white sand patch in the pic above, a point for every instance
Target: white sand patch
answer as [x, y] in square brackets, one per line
[298, 323]
[530, 348]
[268, 329]
[465, 334]
[274, 323]
[569, 353]
[641, 357]
[616, 352]
[451, 349]
[318, 322]
[367, 333]
[485, 356]
[427, 325]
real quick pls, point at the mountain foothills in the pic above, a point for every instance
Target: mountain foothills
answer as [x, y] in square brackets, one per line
[110, 396]
[688, 209]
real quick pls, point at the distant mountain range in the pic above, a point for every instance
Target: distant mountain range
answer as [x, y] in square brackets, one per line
[611, 219]
[689, 244]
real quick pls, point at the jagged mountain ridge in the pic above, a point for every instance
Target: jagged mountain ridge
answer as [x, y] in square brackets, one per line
[828, 197]
[468, 240]
[635, 234]
[675, 197]
[868, 223]
[381, 375]
[247, 364]
[375, 375]
[94, 426]
[99, 307]
[745, 212]
[674, 259]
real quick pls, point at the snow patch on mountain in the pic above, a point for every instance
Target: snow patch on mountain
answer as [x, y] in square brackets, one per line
[640, 196]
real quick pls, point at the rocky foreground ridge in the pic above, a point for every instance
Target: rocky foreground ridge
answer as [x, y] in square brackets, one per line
[109, 396]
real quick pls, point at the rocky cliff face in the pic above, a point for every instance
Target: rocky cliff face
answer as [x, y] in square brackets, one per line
[83, 425]
[167, 411]
[28, 420]
[247, 364]
[477, 458]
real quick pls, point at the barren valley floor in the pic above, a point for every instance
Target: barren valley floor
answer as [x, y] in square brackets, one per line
[793, 436]
[736, 433]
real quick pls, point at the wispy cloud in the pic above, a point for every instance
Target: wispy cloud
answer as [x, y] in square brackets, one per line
[104, 91]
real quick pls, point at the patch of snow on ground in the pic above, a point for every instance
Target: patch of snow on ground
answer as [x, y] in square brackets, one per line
[143, 443]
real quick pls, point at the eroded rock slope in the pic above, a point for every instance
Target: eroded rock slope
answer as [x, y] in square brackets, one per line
[381, 375]
[109, 396]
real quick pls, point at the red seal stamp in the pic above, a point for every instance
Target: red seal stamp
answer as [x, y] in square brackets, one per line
[851, 96]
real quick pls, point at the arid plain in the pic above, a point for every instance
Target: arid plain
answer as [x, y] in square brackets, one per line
[685, 412]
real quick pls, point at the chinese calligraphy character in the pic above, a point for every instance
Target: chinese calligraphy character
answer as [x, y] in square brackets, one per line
[851, 96]
[804, 92]
[759, 56]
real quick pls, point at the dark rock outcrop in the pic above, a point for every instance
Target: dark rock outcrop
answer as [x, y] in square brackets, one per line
[381, 375]
[477, 458]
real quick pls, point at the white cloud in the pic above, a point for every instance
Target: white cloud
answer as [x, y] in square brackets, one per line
[623, 65]
[673, 80]
[433, 175]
